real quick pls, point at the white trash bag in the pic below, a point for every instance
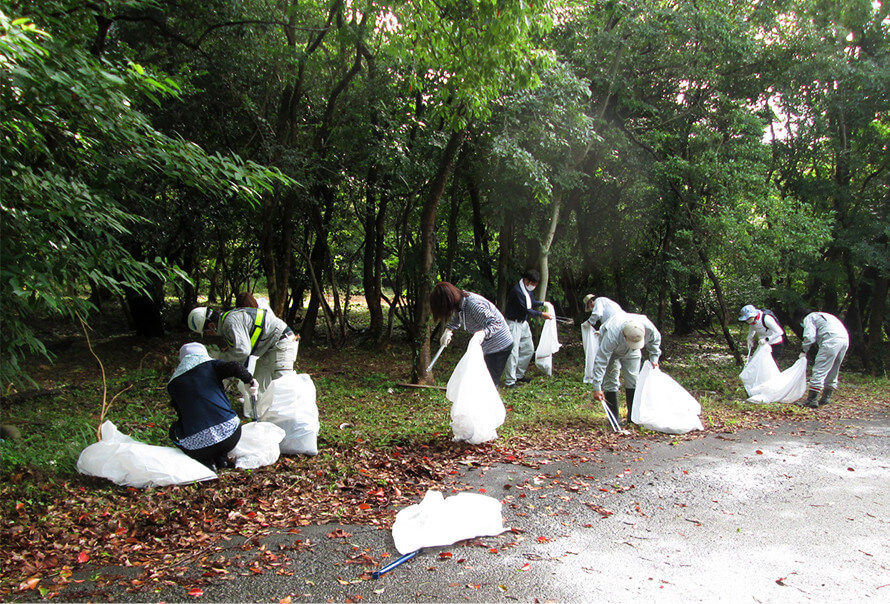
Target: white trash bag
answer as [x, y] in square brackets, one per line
[759, 369]
[590, 340]
[477, 410]
[548, 344]
[258, 446]
[663, 405]
[787, 387]
[289, 403]
[125, 461]
[437, 521]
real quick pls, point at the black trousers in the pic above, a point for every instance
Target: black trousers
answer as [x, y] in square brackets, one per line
[496, 361]
[210, 455]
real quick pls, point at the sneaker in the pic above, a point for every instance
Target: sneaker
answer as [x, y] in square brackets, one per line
[524, 380]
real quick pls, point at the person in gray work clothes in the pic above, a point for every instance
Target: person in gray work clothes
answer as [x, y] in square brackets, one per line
[828, 333]
[473, 313]
[601, 309]
[621, 339]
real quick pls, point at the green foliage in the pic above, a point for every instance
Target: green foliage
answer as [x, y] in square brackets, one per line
[74, 152]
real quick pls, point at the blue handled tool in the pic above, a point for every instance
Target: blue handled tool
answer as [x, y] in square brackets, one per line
[379, 573]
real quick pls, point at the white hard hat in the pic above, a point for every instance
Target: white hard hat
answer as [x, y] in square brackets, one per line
[748, 312]
[197, 318]
[634, 334]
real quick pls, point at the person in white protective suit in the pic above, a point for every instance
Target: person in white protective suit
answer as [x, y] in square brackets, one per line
[251, 332]
[621, 339]
[473, 313]
[601, 309]
[765, 328]
[521, 305]
[828, 333]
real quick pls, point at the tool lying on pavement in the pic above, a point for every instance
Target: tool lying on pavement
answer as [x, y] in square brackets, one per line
[379, 573]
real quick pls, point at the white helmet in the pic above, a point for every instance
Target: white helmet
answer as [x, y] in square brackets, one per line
[197, 318]
[634, 334]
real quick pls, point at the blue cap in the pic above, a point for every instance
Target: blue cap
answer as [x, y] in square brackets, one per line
[748, 311]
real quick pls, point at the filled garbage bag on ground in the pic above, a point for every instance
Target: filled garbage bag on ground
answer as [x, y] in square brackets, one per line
[590, 340]
[438, 521]
[759, 369]
[125, 461]
[548, 344]
[663, 405]
[477, 410]
[787, 387]
[289, 403]
[258, 446]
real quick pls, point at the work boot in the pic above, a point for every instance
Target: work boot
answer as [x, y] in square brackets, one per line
[612, 403]
[812, 399]
[826, 396]
[629, 393]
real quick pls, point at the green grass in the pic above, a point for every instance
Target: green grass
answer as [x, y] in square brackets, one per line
[362, 404]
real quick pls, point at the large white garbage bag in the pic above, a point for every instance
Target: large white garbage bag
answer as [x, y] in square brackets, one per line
[590, 340]
[438, 521]
[787, 387]
[663, 405]
[548, 344]
[759, 369]
[125, 461]
[477, 410]
[258, 446]
[289, 403]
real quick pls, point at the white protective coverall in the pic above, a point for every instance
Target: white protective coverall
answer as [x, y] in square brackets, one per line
[603, 310]
[276, 346]
[831, 336]
[765, 328]
[614, 351]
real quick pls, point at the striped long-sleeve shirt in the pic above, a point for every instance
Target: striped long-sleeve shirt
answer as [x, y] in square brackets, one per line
[477, 313]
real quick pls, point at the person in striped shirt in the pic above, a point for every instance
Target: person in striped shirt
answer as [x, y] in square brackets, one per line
[473, 313]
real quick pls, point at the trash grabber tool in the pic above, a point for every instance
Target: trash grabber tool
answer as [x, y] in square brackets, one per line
[613, 421]
[379, 573]
[565, 320]
[435, 358]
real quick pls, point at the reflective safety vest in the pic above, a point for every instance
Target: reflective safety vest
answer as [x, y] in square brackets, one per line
[259, 317]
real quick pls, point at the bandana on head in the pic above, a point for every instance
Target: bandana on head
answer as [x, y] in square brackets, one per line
[190, 356]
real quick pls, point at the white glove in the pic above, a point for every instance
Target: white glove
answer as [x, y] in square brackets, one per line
[254, 388]
[802, 355]
[445, 340]
[762, 342]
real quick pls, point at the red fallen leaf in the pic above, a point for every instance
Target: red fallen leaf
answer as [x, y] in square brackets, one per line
[543, 539]
[525, 567]
[364, 506]
[510, 458]
[445, 555]
[472, 586]
[850, 470]
[19, 506]
[482, 490]
[196, 592]
[285, 600]
[83, 557]
[759, 452]
[493, 550]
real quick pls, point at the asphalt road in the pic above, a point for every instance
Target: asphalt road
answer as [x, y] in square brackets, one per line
[793, 512]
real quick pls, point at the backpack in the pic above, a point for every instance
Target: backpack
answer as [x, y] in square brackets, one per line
[782, 327]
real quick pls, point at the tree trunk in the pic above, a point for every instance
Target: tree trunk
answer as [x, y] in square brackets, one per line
[421, 335]
[555, 207]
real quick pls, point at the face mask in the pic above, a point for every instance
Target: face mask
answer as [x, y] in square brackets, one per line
[530, 288]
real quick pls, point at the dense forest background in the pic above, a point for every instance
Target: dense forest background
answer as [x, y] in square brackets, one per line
[684, 158]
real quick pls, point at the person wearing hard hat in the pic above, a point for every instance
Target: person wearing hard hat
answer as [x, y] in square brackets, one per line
[521, 305]
[206, 427]
[764, 326]
[622, 337]
[831, 338]
[251, 332]
[601, 309]
[473, 313]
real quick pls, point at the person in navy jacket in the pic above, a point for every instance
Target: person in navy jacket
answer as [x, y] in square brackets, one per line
[521, 305]
[206, 427]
